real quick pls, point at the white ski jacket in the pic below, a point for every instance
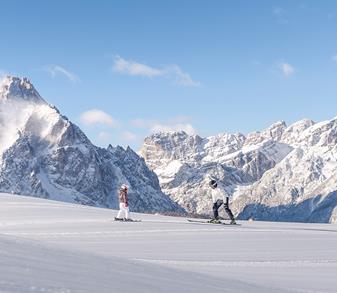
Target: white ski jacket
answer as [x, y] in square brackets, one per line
[217, 194]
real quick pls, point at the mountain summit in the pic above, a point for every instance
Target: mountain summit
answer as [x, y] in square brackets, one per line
[19, 88]
[44, 154]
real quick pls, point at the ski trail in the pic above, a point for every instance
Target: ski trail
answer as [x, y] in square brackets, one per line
[116, 232]
[50, 222]
[248, 227]
[279, 263]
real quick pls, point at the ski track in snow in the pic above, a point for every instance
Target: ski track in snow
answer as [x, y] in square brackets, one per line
[46, 246]
[244, 264]
[131, 232]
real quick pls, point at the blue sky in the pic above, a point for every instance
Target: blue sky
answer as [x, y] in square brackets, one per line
[123, 69]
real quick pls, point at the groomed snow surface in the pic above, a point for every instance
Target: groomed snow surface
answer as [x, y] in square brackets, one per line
[48, 246]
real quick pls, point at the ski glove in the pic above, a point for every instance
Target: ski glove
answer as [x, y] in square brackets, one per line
[126, 204]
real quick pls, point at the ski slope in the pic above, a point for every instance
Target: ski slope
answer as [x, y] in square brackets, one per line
[48, 246]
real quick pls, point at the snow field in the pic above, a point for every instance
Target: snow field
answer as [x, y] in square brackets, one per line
[48, 246]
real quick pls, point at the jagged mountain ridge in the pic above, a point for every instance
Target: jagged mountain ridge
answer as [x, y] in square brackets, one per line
[44, 154]
[281, 173]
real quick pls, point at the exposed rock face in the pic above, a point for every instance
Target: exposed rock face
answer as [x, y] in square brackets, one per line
[44, 154]
[282, 173]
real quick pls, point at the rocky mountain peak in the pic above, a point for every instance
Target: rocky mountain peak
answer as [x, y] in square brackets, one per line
[44, 154]
[16, 88]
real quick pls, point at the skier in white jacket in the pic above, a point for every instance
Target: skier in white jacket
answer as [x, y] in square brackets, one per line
[220, 198]
[123, 204]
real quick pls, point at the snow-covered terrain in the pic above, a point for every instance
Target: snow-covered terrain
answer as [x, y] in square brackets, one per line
[281, 173]
[44, 154]
[49, 246]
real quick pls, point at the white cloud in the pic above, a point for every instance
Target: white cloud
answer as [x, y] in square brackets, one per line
[173, 72]
[139, 123]
[182, 78]
[188, 128]
[178, 123]
[134, 68]
[58, 70]
[128, 135]
[96, 116]
[287, 69]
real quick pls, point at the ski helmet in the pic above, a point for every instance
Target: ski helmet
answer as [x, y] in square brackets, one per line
[124, 186]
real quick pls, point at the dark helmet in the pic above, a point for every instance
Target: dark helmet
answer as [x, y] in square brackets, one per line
[213, 183]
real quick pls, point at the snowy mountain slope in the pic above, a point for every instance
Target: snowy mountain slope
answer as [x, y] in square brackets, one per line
[44, 154]
[282, 173]
[48, 246]
[298, 188]
[184, 163]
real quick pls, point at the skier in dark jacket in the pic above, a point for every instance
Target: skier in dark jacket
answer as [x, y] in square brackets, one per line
[219, 198]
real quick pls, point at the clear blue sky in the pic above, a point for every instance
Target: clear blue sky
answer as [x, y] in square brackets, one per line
[120, 69]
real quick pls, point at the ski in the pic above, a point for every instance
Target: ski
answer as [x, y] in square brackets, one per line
[126, 220]
[208, 222]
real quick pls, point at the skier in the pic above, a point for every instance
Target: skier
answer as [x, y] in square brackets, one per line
[123, 204]
[218, 199]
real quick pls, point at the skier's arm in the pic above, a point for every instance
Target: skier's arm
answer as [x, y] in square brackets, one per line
[126, 199]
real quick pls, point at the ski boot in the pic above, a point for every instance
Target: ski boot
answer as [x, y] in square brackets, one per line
[214, 221]
[233, 222]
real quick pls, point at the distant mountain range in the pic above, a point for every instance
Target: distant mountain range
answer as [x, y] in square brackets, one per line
[43, 154]
[279, 174]
[283, 173]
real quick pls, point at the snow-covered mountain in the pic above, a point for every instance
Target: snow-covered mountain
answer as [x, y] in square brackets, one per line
[44, 154]
[281, 173]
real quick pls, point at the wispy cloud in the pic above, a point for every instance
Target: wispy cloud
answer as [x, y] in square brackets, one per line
[173, 72]
[134, 68]
[281, 15]
[182, 78]
[334, 58]
[129, 136]
[188, 128]
[139, 123]
[179, 123]
[95, 116]
[58, 70]
[286, 69]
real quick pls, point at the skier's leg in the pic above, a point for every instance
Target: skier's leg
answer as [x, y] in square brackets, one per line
[126, 211]
[120, 212]
[216, 207]
[228, 211]
[215, 211]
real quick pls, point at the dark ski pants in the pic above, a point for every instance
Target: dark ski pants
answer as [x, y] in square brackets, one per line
[218, 204]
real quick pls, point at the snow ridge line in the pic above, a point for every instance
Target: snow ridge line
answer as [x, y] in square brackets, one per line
[121, 232]
[277, 263]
